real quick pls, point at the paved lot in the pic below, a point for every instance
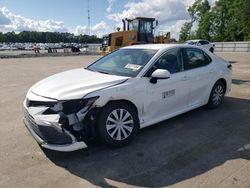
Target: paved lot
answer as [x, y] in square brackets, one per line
[202, 148]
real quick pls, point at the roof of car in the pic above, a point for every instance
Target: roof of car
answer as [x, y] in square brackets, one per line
[196, 40]
[153, 46]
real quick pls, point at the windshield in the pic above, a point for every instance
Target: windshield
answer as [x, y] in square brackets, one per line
[133, 25]
[146, 26]
[123, 62]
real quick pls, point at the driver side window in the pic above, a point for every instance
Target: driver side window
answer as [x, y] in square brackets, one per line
[170, 61]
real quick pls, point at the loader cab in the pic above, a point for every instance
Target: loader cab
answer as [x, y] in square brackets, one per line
[135, 31]
[144, 27]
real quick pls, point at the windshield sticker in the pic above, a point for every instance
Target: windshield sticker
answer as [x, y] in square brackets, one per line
[133, 67]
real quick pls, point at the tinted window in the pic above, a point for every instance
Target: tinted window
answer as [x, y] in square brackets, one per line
[190, 42]
[170, 61]
[195, 58]
[203, 42]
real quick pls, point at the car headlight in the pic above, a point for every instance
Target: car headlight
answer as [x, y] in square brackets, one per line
[73, 106]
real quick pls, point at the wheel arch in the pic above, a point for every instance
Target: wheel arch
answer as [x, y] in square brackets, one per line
[123, 101]
[211, 105]
[95, 112]
[101, 130]
[224, 82]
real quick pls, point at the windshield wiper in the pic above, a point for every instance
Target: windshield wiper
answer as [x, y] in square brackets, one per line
[87, 68]
[103, 72]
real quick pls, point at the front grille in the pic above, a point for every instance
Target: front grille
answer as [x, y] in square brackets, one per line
[49, 134]
[30, 103]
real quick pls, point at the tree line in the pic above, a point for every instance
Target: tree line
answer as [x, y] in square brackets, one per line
[227, 20]
[47, 37]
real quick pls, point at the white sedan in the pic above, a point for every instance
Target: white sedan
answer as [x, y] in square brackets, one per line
[202, 43]
[129, 89]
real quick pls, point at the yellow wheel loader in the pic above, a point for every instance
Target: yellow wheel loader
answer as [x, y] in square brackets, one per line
[135, 31]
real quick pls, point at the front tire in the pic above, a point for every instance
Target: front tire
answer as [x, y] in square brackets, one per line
[117, 124]
[216, 95]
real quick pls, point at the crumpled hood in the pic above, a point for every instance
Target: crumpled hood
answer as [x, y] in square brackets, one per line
[74, 84]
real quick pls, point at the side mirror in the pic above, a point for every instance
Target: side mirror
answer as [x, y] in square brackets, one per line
[159, 74]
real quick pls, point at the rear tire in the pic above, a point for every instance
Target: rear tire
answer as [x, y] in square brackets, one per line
[216, 95]
[117, 124]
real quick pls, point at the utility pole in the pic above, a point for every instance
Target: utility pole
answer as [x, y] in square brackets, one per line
[88, 19]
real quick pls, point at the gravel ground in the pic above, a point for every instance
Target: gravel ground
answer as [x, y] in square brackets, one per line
[201, 148]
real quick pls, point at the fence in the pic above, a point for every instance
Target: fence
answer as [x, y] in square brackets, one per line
[219, 47]
[232, 46]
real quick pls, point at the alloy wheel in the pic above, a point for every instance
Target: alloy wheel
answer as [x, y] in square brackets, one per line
[218, 94]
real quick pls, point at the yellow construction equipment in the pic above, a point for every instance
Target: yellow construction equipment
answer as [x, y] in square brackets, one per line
[135, 31]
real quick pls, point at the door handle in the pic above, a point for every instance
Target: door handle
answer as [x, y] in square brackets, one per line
[184, 78]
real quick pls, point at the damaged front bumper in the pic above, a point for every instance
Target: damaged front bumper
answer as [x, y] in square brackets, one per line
[51, 138]
[55, 130]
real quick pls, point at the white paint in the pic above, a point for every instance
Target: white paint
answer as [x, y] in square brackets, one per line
[191, 88]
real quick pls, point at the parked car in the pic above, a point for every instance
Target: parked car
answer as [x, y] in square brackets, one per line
[203, 43]
[129, 89]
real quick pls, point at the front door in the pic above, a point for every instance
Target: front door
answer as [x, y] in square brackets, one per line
[167, 96]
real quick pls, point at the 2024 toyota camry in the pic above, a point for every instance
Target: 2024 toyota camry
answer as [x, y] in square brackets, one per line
[126, 90]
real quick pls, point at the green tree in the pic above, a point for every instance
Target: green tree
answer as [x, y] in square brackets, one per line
[244, 15]
[50, 37]
[2, 37]
[198, 12]
[185, 31]
[231, 20]
[204, 20]
[228, 20]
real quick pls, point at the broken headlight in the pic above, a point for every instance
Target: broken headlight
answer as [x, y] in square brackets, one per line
[73, 106]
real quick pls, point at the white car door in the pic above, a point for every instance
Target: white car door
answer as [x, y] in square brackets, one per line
[167, 96]
[199, 73]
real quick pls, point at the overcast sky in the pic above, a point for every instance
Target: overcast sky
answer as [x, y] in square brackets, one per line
[105, 15]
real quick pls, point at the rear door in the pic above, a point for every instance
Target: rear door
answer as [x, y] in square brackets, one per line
[199, 73]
